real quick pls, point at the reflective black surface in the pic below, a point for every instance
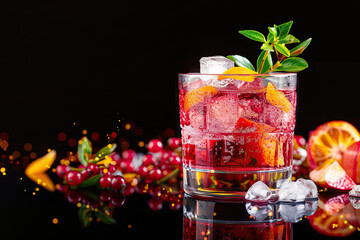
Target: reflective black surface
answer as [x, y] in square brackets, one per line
[30, 212]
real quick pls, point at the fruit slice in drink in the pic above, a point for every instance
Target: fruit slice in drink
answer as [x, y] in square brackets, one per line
[277, 98]
[239, 70]
[195, 96]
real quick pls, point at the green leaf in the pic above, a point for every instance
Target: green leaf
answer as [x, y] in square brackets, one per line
[105, 218]
[265, 62]
[284, 29]
[267, 46]
[270, 38]
[84, 150]
[90, 181]
[241, 61]
[282, 49]
[253, 35]
[300, 48]
[106, 150]
[292, 64]
[288, 39]
[273, 31]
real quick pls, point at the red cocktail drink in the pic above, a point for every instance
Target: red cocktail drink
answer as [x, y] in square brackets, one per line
[236, 130]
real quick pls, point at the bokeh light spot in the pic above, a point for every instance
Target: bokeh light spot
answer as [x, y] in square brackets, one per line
[95, 136]
[28, 147]
[62, 136]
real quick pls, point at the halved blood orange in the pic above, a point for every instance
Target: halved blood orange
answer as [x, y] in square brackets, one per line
[240, 70]
[277, 98]
[329, 141]
[195, 96]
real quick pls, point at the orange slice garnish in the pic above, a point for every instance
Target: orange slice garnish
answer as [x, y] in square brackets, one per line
[329, 141]
[195, 96]
[239, 70]
[277, 98]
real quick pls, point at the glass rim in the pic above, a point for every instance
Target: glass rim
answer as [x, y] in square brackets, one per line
[280, 74]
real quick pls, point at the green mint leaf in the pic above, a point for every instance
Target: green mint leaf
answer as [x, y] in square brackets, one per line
[267, 46]
[300, 48]
[84, 150]
[292, 64]
[288, 39]
[241, 61]
[284, 29]
[263, 64]
[253, 35]
[270, 38]
[282, 49]
[273, 31]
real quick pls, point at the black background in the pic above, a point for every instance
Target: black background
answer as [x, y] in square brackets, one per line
[90, 62]
[94, 62]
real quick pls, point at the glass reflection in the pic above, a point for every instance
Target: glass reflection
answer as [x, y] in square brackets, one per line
[209, 219]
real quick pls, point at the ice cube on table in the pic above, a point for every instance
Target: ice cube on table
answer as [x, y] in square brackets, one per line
[258, 192]
[292, 192]
[355, 191]
[310, 186]
[215, 65]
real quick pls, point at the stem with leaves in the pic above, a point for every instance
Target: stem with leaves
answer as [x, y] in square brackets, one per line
[275, 41]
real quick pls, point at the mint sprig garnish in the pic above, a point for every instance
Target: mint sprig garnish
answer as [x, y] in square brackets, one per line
[275, 43]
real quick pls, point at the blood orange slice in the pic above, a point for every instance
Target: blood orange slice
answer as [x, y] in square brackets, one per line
[277, 98]
[240, 70]
[329, 141]
[195, 96]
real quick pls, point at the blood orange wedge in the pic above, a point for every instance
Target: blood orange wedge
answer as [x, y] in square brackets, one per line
[239, 70]
[195, 96]
[331, 175]
[277, 98]
[329, 141]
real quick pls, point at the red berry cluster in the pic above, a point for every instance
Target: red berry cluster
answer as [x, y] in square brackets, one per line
[143, 173]
[158, 163]
[109, 177]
